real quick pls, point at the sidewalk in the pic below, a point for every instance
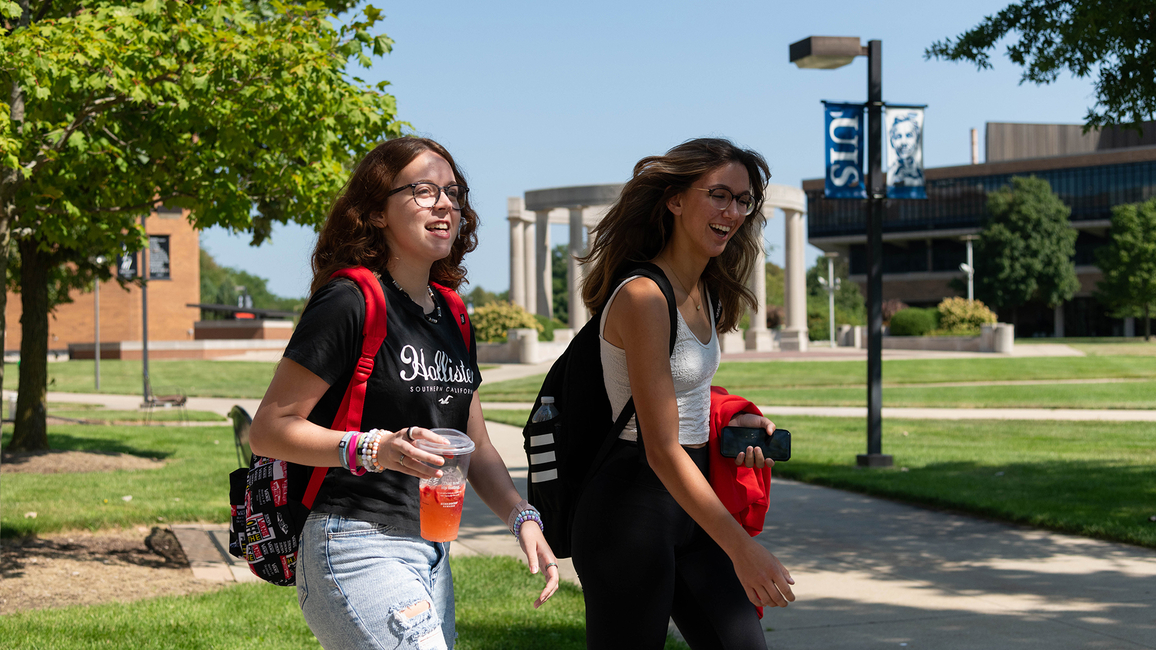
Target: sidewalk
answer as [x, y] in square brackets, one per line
[1105, 415]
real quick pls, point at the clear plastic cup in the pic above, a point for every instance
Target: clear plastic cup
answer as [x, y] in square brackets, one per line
[441, 498]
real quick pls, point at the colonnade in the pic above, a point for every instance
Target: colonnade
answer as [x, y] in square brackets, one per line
[583, 206]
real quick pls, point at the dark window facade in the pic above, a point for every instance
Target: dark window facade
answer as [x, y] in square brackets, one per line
[961, 202]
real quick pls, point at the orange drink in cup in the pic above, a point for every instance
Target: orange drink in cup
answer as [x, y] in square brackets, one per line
[441, 498]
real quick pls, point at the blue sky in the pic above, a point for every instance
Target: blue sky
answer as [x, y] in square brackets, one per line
[532, 95]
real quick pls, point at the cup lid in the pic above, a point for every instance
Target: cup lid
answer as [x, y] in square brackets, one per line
[459, 443]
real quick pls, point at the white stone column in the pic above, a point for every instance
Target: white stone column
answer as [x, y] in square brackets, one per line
[578, 315]
[517, 251]
[794, 336]
[544, 277]
[530, 265]
[1130, 326]
[758, 337]
[1059, 321]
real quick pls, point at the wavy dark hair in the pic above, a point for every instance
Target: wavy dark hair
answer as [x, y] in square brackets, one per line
[351, 238]
[639, 225]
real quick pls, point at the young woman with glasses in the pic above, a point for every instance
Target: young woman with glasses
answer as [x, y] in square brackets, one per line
[365, 577]
[651, 539]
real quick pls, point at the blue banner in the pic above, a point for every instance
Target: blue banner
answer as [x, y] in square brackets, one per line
[843, 151]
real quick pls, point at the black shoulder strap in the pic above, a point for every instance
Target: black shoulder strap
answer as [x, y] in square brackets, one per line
[651, 271]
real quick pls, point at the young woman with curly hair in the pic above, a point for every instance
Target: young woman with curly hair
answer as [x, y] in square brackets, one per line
[365, 577]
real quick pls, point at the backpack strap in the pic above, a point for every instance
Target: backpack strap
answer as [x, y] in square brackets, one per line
[372, 336]
[458, 309]
[651, 271]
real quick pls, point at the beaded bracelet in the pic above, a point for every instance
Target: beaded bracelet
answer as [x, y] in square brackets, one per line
[357, 437]
[342, 449]
[530, 514]
[369, 451]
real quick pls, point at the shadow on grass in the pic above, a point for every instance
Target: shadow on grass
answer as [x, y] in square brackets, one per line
[66, 442]
[1100, 499]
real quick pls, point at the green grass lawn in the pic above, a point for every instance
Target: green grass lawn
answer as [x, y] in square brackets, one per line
[192, 486]
[1123, 395]
[1089, 478]
[1103, 346]
[493, 595]
[196, 377]
[774, 379]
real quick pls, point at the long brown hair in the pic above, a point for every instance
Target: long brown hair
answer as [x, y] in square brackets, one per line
[351, 238]
[639, 225]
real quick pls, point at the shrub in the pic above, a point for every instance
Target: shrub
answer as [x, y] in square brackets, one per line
[958, 315]
[914, 321]
[892, 307]
[548, 327]
[491, 321]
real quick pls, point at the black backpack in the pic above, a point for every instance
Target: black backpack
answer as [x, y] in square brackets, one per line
[564, 452]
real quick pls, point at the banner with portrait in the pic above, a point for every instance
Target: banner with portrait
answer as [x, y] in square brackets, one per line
[843, 151]
[904, 135]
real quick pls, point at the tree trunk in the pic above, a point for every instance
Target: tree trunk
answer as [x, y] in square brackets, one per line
[5, 241]
[31, 431]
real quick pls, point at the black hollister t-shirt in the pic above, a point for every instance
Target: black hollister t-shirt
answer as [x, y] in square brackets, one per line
[423, 375]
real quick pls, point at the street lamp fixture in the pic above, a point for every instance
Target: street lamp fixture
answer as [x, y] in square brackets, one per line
[826, 53]
[969, 268]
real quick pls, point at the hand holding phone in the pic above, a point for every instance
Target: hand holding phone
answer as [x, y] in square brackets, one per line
[734, 440]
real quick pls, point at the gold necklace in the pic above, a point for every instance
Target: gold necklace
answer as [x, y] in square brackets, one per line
[697, 306]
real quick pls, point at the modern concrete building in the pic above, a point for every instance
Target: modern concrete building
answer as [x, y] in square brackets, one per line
[923, 241]
[582, 207]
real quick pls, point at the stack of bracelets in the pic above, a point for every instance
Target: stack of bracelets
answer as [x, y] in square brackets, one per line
[358, 451]
[522, 513]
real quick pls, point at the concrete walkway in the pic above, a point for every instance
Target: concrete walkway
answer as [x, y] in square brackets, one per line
[1105, 415]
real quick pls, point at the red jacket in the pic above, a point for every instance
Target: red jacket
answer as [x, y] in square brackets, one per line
[744, 492]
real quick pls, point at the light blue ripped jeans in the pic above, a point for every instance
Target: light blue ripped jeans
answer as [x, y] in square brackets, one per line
[354, 578]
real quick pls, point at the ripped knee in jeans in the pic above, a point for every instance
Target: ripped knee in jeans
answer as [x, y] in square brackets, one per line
[416, 626]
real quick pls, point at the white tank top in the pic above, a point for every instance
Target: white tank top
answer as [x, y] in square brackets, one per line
[692, 366]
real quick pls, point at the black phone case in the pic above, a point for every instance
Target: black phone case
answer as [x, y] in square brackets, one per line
[734, 440]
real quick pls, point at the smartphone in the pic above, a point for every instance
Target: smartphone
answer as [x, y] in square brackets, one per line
[734, 440]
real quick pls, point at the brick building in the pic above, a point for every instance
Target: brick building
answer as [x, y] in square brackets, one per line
[174, 262]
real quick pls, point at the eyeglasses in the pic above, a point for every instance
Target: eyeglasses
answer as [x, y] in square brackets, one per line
[721, 197]
[427, 195]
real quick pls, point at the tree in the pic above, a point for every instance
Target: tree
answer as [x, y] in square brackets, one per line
[219, 287]
[1024, 252]
[1128, 262]
[479, 297]
[559, 285]
[240, 111]
[1109, 38]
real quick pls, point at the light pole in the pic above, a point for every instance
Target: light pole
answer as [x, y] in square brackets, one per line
[827, 53]
[99, 261]
[969, 268]
[831, 285]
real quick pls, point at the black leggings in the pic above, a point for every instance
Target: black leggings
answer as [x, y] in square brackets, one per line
[642, 561]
